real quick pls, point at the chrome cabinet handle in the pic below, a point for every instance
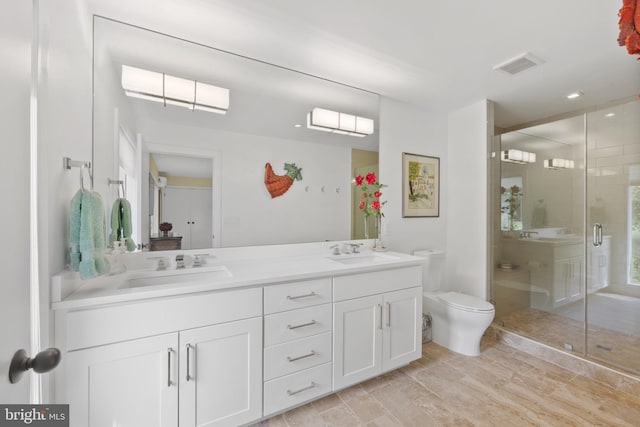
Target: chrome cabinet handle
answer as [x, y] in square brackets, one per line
[189, 347]
[597, 234]
[380, 307]
[311, 294]
[293, 359]
[388, 314]
[169, 382]
[313, 322]
[309, 387]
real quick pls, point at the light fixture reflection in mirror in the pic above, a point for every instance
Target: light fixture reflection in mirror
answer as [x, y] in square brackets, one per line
[267, 101]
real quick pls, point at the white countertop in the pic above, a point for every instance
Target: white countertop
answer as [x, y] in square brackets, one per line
[244, 272]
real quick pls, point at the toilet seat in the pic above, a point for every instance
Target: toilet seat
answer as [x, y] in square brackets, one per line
[465, 302]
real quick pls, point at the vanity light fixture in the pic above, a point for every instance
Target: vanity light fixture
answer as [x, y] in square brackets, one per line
[517, 156]
[171, 90]
[559, 164]
[341, 123]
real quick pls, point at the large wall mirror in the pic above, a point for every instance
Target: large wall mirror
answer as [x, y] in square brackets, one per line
[203, 171]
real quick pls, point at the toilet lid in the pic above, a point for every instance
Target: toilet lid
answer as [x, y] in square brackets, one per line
[465, 302]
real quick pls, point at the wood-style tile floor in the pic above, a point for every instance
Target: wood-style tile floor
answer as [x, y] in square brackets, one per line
[501, 387]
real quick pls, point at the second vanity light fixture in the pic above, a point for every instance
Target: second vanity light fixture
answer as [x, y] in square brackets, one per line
[171, 90]
[517, 156]
[341, 123]
[559, 164]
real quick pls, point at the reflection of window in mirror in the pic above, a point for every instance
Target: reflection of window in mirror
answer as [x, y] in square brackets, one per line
[511, 193]
[127, 174]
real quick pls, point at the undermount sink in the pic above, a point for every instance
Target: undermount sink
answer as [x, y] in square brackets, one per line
[178, 277]
[350, 259]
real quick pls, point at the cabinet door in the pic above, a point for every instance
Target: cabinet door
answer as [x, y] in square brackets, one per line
[357, 341]
[132, 383]
[561, 274]
[221, 374]
[402, 337]
[574, 284]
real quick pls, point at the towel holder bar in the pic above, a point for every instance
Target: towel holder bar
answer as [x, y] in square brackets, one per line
[68, 163]
[120, 183]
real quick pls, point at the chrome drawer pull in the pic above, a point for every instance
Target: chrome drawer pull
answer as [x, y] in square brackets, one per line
[189, 376]
[293, 359]
[169, 382]
[313, 322]
[311, 294]
[291, 393]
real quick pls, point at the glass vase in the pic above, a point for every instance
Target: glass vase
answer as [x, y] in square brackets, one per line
[378, 245]
[366, 227]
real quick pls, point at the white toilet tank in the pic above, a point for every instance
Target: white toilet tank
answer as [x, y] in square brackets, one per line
[433, 269]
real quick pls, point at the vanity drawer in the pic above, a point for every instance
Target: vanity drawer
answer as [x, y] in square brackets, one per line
[296, 324]
[290, 296]
[294, 356]
[294, 389]
[376, 282]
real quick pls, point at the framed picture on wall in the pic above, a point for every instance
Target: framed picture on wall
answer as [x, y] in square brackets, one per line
[420, 186]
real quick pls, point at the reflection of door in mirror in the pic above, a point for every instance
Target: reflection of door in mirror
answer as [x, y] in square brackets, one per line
[362, 162]
[127, 173]
[186, 200]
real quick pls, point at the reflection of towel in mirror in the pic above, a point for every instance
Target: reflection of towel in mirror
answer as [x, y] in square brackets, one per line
[539, 216]
[121, 223]
[87, 232]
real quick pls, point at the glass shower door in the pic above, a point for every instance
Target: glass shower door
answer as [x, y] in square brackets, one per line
[613, 246]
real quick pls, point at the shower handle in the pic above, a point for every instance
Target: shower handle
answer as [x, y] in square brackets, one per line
[597, 234]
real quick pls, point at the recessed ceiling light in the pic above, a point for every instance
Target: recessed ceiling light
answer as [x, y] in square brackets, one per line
[297, 125]
[574, 95]
[610, 114]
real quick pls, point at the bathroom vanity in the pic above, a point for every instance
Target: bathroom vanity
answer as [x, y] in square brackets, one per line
[237, 339]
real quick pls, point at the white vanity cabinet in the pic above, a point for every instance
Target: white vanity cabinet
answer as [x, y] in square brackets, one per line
[118, 371]
[559, 271]
[377, 323]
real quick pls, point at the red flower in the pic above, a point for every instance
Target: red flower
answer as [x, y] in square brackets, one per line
[361, 205]
[371, 178]
[359, 179]
[363, 195]
[377, 194]
[375, 205]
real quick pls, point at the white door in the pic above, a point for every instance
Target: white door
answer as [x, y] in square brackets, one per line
[402, 337]
[201, 218]
[221, 374]
[176, 210]
[15, 38]
[133, 383]
[357, 340]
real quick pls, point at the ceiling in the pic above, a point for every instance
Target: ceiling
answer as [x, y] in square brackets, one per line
[435, 55]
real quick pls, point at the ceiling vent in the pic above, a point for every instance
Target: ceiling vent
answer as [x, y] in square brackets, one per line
[518, 64]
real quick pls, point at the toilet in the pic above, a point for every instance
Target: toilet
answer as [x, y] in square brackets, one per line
[458, 320]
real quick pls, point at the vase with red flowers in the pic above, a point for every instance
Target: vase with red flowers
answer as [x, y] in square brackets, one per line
[165, 227]
[369, 188]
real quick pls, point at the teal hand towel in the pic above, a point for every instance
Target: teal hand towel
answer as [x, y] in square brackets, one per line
[121, 223]
[92, 236]
[74, 231]
[125, 221]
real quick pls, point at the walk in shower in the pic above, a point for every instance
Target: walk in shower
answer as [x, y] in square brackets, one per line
[566, 233]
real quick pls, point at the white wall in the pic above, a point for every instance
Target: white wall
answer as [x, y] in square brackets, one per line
[249, 215]
[470, 130]
[405, 128]
[15, 45]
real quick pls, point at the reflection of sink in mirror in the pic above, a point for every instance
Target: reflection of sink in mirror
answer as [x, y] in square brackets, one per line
[561, 238]
[362, 259]
[179, 278]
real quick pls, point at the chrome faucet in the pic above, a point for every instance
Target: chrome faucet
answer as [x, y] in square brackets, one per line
[199, 259]
[527, 234]
[336, 249]
[161, 264]
[179, 261]
[355, 247]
